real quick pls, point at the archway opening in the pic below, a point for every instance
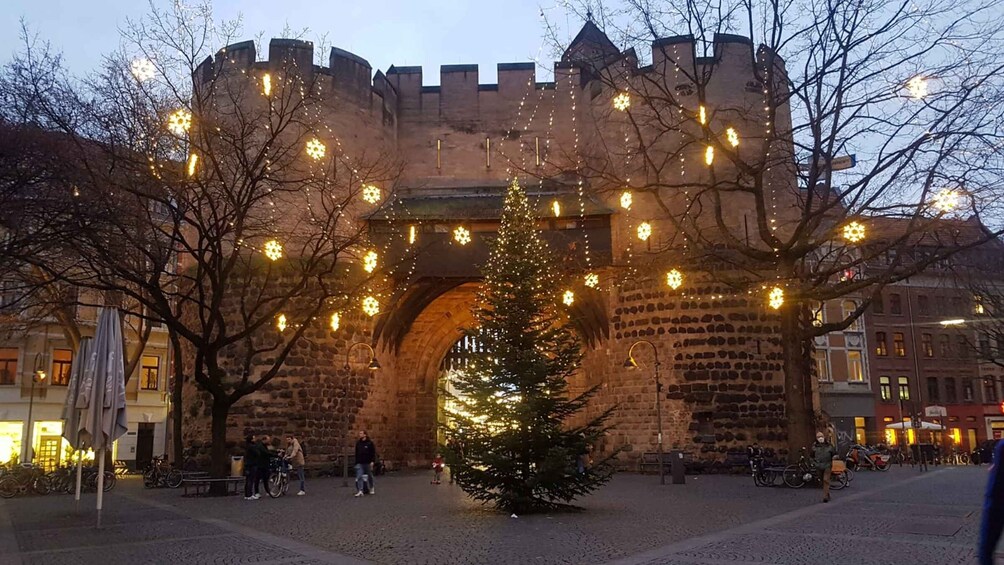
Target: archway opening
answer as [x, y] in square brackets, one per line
[455, 362]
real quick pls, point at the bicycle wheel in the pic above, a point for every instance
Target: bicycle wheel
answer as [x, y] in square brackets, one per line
[174, 478]
[8, 487]
[849, 473]
[793, 476]
[963, 458]
[41, 485]
[150, 478]
[838, 481]
[274, 486]
[109, 481]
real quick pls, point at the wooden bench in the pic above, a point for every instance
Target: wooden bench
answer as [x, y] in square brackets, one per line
[735, 462]
[651, 459]
[202, 484]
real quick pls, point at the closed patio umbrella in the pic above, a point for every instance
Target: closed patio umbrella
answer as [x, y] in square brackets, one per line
[101, 396]
[923, 426]
[71, 412]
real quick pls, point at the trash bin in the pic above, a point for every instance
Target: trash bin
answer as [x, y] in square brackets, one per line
[678, 467]
[237, 466]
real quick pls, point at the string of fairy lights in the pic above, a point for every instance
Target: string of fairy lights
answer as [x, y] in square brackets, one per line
[180, 122]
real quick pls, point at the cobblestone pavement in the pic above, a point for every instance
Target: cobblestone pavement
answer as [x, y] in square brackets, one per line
[897, 517]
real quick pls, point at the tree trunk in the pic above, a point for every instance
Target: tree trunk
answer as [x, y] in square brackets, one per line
[799, 408]
[218, 452]
[178, 366]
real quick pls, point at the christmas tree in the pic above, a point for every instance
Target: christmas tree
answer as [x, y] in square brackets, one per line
[510, 440]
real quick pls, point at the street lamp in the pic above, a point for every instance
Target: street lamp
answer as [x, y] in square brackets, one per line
[37, 377]
[630, 363]
[373, 364]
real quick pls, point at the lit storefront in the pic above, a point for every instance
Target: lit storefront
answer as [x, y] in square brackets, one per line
[10, 441]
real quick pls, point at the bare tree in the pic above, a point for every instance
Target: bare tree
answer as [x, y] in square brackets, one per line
[773, 170]
[211, 192]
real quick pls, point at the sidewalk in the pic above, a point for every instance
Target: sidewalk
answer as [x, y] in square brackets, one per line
[896, 517]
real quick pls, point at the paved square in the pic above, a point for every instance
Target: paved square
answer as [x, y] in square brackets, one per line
[898, 517]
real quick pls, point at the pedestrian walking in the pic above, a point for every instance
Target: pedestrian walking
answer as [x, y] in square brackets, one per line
[992, 522]
[294, 454]
[437, 468]
[365, 458]
[823, 453]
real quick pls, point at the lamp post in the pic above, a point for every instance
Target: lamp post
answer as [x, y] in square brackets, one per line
[36, 377]
[630, 363]
[373, 365]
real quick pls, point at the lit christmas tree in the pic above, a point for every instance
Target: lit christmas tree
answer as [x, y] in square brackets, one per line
[510, 437]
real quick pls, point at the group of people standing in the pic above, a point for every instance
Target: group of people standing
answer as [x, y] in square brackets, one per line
[258, 455]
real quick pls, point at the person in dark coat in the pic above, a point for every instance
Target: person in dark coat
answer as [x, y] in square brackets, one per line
[823, 453]
[262, 457]
[993, 509]
[250, 466]
[365, 457]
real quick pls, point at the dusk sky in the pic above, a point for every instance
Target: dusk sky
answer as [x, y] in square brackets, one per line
[384, 32]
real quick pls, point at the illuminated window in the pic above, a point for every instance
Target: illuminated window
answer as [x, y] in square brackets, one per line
[8, 366]
[927, 344]
[898, 344]
[978, 307]
[822, 364]
[895, 304]
[848, 307]
[885, 388]
[860, 433]
[818, 316]
[150, 372]
[855, 367]
[61, 361]
[881, 348]
[903, 385]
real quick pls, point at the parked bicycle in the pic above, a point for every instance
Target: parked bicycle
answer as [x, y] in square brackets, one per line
[24, 479]
[278, 475]
[160, 473]
[805, 472]
[861, 457]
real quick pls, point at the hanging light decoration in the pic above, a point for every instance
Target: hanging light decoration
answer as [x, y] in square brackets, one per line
[592, 280]
[266, 84]
[556, 208]
[732, 136]
[412, 234]
[273, 250]
[281, 322]
[917, 86]
[854, 232]
[370, 261]
[316, 149]
[674, 279]
[462, 235]
[179, 122]
[336, 321]
[709, 155]
[644, 231]
[622, 101]
[142, 69]
[371, 194]
[193, 162]
[626, 199]
[568, 298]
[776, 297]
[371, 306]
[702, 115]
[946, 200]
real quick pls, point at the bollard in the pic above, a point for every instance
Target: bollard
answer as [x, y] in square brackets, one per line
[678, 470]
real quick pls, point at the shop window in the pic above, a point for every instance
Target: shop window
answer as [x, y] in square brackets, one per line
[61, 361]
[855, 367]
[903, 385]
[150, 372]
[927, 344]
[885, 389]
[8, 366]
[899, 344]
[10, 441]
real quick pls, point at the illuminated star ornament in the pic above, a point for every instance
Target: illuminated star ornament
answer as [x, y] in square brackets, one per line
[776, 297]
[732, 136]
[917, 86]
[592, 280]
[462, 235]
[622, 101]
[273, 250]
[336, 321]
[371, 306]
[854, 232]
[315, 149]
[626, 200]
[644, 231]
[709, 155]
[281, 322]
[946, 200]
[266, 84]
[142, 69]
[674, 279]
[702, 115]
[179, 122]
[568, 298]
[371, 194]
[370, 261]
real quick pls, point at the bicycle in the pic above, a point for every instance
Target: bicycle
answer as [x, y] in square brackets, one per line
[958, 457]
[160, 473]
[805, 471]
[278, 476]
[24, 480]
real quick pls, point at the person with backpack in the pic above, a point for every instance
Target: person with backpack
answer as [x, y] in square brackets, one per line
[296, 458]
[365, 457]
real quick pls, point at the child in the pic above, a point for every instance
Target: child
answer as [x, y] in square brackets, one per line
[437, 466]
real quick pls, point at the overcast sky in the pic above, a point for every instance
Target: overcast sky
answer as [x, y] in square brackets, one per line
[384, 32]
